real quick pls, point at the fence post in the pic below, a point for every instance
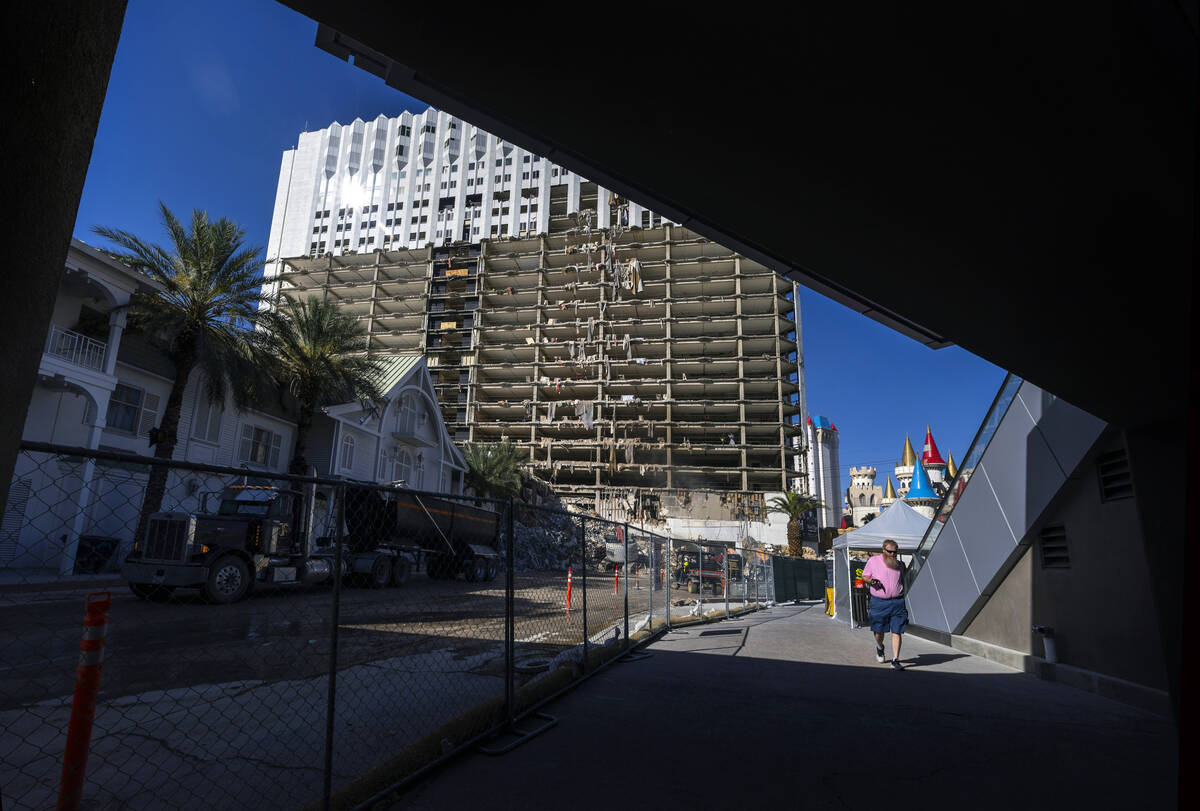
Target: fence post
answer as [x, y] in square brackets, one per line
[334, 620]
[725, 579]
[83, 704]
[583, 568]
[667, 577]
[650, 583]
[510, 624]
[625, 592]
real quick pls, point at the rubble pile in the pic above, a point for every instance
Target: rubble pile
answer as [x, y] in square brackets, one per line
[545, 542]
[550, 542]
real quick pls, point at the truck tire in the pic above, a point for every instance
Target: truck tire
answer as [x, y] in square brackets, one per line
[476, 570]
[228, 581]
[151, 592]
[435, 567]
[381, 572]
[693, 587]
[400, 571]
[493, 568]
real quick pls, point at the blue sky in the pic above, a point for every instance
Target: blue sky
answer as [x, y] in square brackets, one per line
[205, 97]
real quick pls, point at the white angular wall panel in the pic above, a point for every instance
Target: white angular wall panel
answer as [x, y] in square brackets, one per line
[924, 605]
[1069, 432]
[956, 589]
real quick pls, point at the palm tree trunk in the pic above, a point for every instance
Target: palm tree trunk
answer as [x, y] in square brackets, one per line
[794, 538]
[156, 487]
[299, 465]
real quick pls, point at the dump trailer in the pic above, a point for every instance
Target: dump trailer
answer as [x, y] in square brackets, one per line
[276, 536]
[444, 537]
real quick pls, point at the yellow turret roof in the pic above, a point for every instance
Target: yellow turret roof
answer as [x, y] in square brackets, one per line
[890, 492]
[909, 458]
[951, 470]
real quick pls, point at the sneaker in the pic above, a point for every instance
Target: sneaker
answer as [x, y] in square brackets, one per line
[879, 655]
[896, 665]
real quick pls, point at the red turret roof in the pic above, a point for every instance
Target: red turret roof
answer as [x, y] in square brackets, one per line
[930, 455]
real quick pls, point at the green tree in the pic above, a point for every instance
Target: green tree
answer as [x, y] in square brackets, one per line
[200, 320]
[311, 348]
[495, 470]
[793, 505]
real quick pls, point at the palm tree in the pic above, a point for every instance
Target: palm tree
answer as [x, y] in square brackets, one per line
[199, 320]
[495, 470]
[309, 345]
[793, 505]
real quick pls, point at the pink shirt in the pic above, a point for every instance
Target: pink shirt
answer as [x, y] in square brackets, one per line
[890, 578]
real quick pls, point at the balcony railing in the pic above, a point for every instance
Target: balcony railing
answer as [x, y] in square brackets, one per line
[76, 348]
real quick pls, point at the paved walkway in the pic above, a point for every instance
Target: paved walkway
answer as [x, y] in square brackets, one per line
[788, 709]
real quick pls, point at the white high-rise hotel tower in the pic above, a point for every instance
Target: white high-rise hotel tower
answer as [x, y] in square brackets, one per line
[408, 181]
[617, 349]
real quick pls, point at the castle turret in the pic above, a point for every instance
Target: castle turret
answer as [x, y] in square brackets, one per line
[921, 496]
[904, 470]
[889, 494]
[932, 461]
[864, 496]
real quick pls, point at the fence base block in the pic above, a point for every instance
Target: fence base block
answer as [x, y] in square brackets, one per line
[522, 735]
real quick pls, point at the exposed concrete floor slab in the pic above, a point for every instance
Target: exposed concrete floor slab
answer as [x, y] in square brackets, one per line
[792, 711]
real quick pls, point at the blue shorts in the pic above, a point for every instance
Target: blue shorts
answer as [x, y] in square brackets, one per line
[888, 615]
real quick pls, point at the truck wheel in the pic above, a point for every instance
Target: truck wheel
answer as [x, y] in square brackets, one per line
[435, 567]
[151, 592]
[381, 572]
[228, 581]
[477, 570]
[493, 568]
[400, 571]
[693, 587]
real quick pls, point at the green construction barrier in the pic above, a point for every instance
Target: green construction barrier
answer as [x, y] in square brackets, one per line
[798, 579]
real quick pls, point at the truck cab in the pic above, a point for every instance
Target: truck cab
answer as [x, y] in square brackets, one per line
[256, 534]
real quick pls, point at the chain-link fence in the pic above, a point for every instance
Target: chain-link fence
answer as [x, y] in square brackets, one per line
[271, 640]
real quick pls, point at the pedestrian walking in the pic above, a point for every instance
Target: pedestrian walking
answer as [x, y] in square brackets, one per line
[888, 613]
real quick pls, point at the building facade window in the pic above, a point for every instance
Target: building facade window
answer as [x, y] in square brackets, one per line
[407, 415]
[124, 407]
[206, 420]
[403, 468]
[259, 446]
[346, 458]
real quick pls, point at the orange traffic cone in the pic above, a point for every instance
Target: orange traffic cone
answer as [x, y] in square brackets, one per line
[568, 592]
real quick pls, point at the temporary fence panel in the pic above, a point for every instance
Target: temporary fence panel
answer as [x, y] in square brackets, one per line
[273, 638]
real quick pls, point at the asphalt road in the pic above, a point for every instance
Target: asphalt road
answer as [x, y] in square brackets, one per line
[285, 633]
[205, 706]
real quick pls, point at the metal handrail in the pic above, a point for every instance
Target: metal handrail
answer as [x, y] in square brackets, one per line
[76, 348]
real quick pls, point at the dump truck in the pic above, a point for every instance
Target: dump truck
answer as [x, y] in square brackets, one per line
[283, 537]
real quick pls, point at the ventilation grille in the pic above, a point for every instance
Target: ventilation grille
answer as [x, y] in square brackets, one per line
[1053, 542]
[1115, 479]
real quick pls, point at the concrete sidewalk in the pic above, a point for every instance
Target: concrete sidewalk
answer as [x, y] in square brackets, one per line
[789, 709]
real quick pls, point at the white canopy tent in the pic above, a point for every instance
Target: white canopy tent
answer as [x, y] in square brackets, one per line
[899, 522]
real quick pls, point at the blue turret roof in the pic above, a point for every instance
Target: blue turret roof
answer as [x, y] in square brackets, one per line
[920, 487]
